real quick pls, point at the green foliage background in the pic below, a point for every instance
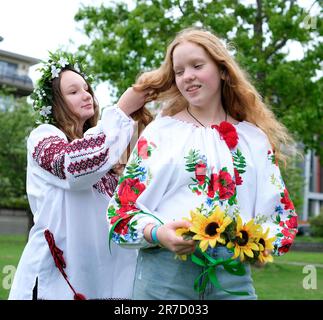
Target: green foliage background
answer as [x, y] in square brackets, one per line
[16, 122]
[123, 42]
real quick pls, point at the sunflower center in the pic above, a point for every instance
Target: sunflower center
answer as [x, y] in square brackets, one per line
[244, 240]
[262, 241]
[210, 229]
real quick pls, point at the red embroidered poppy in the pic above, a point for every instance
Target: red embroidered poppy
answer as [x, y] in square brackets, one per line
[285, 245]
[227, 186]
[228, 133]
[214, 185]
[130, 190]
[143, 148]
[288, 204]
[200, 172]
[237, 177]
[292, 222]
[287, 232]
[122, 226]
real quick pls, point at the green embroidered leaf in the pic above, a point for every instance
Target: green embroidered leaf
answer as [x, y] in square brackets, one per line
[240, 165]
[111, 212]
[192, 159]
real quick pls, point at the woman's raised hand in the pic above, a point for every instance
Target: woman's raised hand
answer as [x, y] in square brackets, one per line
[132, 100]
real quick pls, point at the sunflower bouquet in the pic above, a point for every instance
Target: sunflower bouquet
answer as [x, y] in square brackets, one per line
[248, 242]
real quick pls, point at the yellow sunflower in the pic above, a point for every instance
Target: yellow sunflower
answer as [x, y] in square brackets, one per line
[185, 232]
[265, 245]
[209, 229]
[245, 241]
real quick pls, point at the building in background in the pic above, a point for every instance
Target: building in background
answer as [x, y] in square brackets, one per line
[14, 75]
[14, 72]
[313, 190]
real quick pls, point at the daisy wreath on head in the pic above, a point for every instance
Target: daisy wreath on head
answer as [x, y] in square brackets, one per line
[42, 95]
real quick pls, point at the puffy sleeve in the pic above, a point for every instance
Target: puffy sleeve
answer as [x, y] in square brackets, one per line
[83, 162]
[273, 203]
[140, 190]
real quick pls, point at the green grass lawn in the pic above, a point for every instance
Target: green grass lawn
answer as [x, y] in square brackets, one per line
[285, 282]
[11, 247]
[308, 239]
[276, 281]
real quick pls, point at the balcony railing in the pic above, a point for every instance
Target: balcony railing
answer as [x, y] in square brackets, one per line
[16, 80]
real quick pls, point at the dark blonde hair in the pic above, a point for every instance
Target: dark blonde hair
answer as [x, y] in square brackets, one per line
[64, 118]
[239, 97]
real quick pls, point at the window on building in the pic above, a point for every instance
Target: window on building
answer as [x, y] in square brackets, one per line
[8, 67]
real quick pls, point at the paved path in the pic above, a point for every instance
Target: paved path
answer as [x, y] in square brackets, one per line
[13, 225]
[295, 263]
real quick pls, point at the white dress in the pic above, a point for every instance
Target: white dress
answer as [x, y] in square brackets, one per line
[177, 167]
[68, 187]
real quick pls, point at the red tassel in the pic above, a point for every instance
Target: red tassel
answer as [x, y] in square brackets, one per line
[58, 257]
[79, 296]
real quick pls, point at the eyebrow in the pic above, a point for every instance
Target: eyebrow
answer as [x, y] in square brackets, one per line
[191, 61]
[75, 85]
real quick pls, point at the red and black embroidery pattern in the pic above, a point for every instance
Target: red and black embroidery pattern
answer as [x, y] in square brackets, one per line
[49, 154]
[51, 151]
[107, 184]
[88, 165]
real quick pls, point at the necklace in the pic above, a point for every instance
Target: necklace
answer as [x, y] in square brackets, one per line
[188, 111]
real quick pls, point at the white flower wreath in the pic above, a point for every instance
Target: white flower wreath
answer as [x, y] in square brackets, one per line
[42, 94]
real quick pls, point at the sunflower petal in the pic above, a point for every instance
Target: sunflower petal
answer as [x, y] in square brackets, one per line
[204, 245]
[236, 252]
[248, 252]
[253, 246]
[181, 231]
[230, 245]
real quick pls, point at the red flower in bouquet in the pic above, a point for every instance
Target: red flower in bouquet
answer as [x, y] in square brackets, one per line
[228, 133]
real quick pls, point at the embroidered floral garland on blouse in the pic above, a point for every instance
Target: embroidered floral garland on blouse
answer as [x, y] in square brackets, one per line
[287, 228]
[129, 189]
[217, 186]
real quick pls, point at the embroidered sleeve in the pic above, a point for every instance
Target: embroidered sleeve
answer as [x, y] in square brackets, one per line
[82, 162]
[107, 184]
[138, 194]
[274, 204]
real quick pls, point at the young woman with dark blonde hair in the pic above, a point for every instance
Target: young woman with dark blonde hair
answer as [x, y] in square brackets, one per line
[211, 152]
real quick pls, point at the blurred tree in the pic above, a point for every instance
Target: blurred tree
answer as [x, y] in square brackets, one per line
[16, 121]
[125, 42]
